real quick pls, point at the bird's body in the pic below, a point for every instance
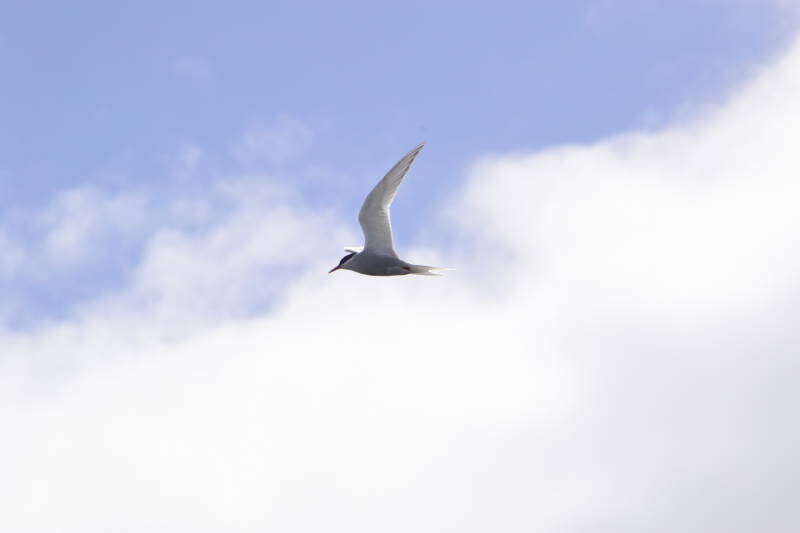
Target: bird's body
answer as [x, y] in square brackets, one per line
[377, 257]
[377, 265]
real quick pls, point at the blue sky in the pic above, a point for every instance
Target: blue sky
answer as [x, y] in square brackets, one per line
[91, 89]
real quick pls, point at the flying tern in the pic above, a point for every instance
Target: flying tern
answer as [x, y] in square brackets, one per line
[377, 257]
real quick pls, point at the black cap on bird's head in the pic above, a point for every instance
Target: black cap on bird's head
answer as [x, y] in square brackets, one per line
[344, 260]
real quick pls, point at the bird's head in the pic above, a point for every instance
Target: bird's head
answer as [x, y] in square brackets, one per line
[344, 260]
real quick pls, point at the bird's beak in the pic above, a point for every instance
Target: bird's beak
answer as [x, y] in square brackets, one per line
[334, 269]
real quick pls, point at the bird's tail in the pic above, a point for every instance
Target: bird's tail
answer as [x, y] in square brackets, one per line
[422, 270]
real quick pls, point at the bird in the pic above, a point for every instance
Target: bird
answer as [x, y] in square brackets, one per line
[377, 257]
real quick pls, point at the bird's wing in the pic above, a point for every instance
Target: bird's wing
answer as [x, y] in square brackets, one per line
[374, 214]
[353, 249]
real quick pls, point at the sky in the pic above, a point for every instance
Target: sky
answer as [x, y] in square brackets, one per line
[613, 182]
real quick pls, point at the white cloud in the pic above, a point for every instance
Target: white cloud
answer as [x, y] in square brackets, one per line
[682, 216]
[66, 229]
[55, 254]
[78, 218]
[630, 367]
[254, 247]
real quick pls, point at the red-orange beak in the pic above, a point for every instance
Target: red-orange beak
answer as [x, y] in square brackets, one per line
[334, 269]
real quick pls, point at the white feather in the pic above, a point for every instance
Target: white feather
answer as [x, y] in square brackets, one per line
[374, 214]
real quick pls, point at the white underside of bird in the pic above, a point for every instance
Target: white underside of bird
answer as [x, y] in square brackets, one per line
[377, 257]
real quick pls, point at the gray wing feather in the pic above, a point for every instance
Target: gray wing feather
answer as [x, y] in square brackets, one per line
[374, 214]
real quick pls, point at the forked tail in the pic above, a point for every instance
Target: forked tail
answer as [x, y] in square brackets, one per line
[422, 270]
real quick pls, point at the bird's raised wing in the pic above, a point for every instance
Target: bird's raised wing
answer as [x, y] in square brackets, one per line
[374, 214]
